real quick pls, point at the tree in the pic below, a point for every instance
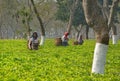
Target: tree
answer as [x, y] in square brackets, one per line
[40, 22]
[46, 11]
[111, 14]
[0, 26]
[96, 19]
[113, 19]
[71, 11]
[25, 15]
[8, 9]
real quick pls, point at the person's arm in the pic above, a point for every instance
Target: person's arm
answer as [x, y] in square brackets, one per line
[29, 44]
[62, 38]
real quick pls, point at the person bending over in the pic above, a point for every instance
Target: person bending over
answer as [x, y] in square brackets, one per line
[33, 42]
[65, 39]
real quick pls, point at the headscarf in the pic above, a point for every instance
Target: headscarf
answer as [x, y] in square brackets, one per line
[66, 34]
[34, 36]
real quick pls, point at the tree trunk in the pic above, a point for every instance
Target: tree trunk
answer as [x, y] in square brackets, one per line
[1, 22]
[106, 9]
[95, 19]
[41, 23]
[0, 30]
[72, 12]
[87, 30]
[28, 29]
[28, 20]
[111, 21]
[70, 22]
[110, 13]
[78, 32]
[114, 34]
[0, 33]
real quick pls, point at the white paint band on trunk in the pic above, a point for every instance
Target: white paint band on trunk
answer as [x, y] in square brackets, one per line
[99, 58]
[114, 39]
[42, 40]
[28, 37]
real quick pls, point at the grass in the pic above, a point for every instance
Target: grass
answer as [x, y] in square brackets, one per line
[52, 63]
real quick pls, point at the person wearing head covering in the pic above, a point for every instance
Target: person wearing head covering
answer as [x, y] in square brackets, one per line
[65, 39]
[33, 41]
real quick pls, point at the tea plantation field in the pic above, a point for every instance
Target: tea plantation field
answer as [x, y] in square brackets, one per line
[52, 63]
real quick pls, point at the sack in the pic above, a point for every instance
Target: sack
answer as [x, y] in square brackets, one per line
[58, 42]
[75, 43]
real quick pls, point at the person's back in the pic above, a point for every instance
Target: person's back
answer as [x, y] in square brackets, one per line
[33, 42]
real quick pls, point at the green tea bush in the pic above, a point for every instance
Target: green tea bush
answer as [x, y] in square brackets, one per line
[55, 63]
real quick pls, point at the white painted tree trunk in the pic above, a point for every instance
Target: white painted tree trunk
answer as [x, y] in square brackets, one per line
[42, 40]
[114, 39]
[99, 58]
[28, 37]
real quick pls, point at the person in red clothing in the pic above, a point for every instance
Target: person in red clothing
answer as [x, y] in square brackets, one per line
[65, 39]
